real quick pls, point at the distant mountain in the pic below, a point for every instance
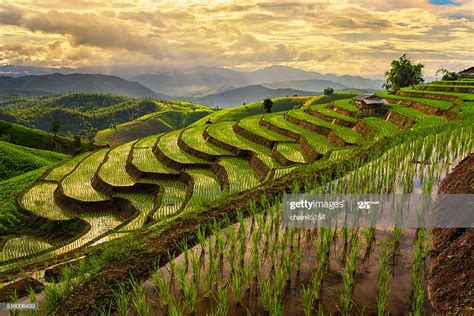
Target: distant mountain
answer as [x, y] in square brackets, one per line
[59, 83]
[248, 94]
[190, 82]
[201, 81]
[278, 74]
[306, 85]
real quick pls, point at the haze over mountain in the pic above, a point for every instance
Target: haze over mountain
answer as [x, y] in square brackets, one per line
[201, 81]
[247, 94]
[59, 83]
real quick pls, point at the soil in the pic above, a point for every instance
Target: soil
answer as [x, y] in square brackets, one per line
[21, 287]
[451, 277]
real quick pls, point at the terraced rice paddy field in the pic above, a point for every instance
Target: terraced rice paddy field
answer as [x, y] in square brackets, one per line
[188, 222]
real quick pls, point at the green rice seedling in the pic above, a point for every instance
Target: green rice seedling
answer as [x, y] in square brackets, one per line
[181, 275]
[266, 294]
[383, 278]
[298, 255]
[52, 295]
[13, 298]
[236, 282]
[32, 295]
[163, 289]
[279, 284]
[190, 295]
[246, 275]
[139, 300]
[418, 295]
[348, 277]
[273, 254]
[196, 268]
[230, 256]
[222, 302]
[288, 266]
[307, 299]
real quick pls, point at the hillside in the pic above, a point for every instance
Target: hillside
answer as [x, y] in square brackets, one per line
[248, 94]
[16, 160]
[279, 105]
[171, 116]
[34, 138]
[164, 188]
[79, 113]
[59, 83]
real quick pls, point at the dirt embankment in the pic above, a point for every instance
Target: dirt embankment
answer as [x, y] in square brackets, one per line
[451, 277]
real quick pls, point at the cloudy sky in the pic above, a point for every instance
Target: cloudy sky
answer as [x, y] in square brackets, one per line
[338, 36]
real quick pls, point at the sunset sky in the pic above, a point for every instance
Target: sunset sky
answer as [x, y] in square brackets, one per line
[339, 36]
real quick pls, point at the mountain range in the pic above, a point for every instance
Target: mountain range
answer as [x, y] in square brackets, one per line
[60, 83]
[208, 85]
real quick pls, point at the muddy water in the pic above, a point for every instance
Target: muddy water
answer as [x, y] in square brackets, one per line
[363, 296]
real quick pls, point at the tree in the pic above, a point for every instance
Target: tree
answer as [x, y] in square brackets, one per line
[328, 91]
[403, 74]
[267, 104]
[447, 75]
[55, 126]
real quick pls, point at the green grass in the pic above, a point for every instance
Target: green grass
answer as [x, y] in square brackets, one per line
[193, 138]
[35, 138]
[223, 131]
[78, 185]
[318, 142]
[345, 133]
[113, 171]
[434, 103]
[15, 159]
[9, 190]
[252, 124]
[241, 176]
[40, 200]
[291, 151]
[144, 159]
[168, 144]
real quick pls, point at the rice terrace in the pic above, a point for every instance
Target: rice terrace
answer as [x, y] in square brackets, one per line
[152, 188]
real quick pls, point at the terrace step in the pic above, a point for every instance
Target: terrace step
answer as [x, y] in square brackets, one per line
[399, 120]
[331, 119]
[143, 164]
[288, 154]
[446, 88]
[332, 137]
[305, 138]
[193, 142]
[169, 154]
[427, 95]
